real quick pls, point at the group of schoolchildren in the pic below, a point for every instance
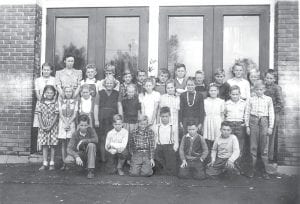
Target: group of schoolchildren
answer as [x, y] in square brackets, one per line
[179, 126]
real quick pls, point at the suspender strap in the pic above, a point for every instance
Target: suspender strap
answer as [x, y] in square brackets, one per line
[171, 140]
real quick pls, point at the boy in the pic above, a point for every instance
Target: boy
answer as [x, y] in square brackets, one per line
[160, 85]
[82, 146]
[93, 83]
[200, 84]
[274, 91]
[224, 87]
[180, 80]
[193, 151]
[238, 72]
[109, 71]
[115, 145]
[224, 152]
[141, 148]
[235, 110]
[141, 76]
[259, 121]
[87, 103]
[166, 141]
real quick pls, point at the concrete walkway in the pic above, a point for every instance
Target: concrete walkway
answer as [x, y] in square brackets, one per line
[23, 183]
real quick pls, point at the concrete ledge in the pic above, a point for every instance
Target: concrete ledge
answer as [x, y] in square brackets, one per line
[288, 170]
[12, 159]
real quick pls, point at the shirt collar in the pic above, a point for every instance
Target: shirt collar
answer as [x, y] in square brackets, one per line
[83, 135]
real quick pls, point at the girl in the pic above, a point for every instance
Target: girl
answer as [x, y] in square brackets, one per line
[191, 106]
[106, 106]
[68, 77]
[87, 103]
[214, 115]
[39, 85]
[171, 100]
[127, 78]
[47, 110]
[93, 83]
[109, 70]
[149, 101]
[130, 108]
[238, 71]
[67, 113]
[253, 76]
[200, 84]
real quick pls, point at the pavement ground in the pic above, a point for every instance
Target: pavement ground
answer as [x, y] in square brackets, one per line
[23, 183]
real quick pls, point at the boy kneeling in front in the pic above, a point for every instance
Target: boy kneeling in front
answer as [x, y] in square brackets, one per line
[224, 153]
[193, 151]
[141, 148]
[82, 146]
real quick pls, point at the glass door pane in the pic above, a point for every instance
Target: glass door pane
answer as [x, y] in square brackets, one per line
[185, 43]
[71, 37]
[240, 42]
[122, 43]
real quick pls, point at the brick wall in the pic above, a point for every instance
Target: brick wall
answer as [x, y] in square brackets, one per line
[19, 41]
[287, 63]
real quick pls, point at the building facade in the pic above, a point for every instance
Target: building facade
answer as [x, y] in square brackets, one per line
[136, 35]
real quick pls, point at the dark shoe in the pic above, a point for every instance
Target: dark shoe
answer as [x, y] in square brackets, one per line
[121, 172]
[266, 176]
[90, 174]
[43, 168]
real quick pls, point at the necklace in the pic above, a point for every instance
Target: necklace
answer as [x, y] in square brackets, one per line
[188, 100]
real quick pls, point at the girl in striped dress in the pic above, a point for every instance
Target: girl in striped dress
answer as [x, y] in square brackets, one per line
[171, 100]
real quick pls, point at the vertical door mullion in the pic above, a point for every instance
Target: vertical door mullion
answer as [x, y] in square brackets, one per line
[100, 42]
[208, 43]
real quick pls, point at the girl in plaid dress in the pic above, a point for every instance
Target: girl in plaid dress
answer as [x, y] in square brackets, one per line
[47, 110]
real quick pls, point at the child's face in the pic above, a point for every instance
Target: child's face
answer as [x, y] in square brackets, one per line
[219, 78]
[83, 126]
[108, 73]
[141, 77]
[238, 71]
[91, 73]
[163, 77]
[143, 124]
[170, 89]
[253, 77]
[235, 95]
[49, 94]
[259, 91]
[213, 92]
[148, 87]
[225, 131]
[109, 84]
[190, 86]
[46, 71]
[270, 79]
[68, 93]
[69, 62]
[199, 78]
[85, 93]
[180, 72]
[127, 78]
[165, 118]
[192, 130]
[118, 125]
[130, 92]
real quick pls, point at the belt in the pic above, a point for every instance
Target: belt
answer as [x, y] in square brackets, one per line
[259, 117]
[142, 150]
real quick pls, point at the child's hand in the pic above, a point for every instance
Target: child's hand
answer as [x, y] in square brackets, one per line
[152, 162]
[181, 125]
[108, 146]
[230, 164]
[199, 126]
[97, 123]
[270, 131]
[248, 130]
[175, 147]
[211, 163]
[184, 164]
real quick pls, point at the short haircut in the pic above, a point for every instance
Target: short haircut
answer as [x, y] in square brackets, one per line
[149, 79]
[110, 68]
[67, 56]
[176, 66]
[90, 66]
[142, 118]
[190, 79]
[237, 64]
[126, 72]
[199, 72]
[164, 71]
[226, 123]
[235, 87]
[164, 110]
[141, 70]
[84, 86]
[191, 123]
[46, 64]
[170, 81]
[219, 71]
[272, 72]
[84, 118]
[259, 84]
[109, 78]
[117, 117]
[212, 85]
